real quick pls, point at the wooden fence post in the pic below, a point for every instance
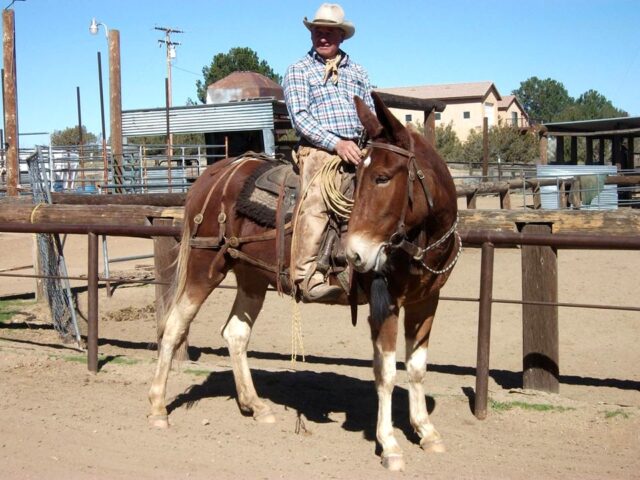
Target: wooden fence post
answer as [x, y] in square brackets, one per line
[540, 349]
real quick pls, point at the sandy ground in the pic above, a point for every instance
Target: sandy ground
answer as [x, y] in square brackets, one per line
[57, 421]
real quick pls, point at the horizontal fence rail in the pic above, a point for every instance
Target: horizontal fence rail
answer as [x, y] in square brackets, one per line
[486, 239]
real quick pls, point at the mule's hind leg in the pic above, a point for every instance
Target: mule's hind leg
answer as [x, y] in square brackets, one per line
[236, 331]
[181, 313]
[418, 322]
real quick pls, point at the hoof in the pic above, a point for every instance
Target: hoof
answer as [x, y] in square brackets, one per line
[433, 445]
[159, 421]
[265, 417]
[393, 462]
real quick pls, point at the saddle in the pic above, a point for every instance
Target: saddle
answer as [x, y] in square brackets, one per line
[269, 198]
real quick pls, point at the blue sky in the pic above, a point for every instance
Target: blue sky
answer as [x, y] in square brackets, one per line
[585, 44]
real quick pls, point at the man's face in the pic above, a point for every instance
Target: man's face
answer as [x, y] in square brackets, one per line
[326, 41]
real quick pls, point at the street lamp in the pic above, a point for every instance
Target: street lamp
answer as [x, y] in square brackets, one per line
[115, 103]
[93, 28]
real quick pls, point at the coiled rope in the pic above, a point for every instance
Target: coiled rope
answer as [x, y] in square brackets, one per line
[330, 183]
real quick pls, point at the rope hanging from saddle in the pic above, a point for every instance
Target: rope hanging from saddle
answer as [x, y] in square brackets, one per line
[330, 180]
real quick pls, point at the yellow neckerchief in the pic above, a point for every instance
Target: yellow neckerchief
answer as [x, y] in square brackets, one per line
[331, 69]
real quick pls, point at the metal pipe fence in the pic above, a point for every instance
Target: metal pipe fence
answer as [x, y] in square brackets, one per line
[487, 240]
[145, 168]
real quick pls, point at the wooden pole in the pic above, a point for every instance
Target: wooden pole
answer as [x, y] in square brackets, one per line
[544, 141]
[589, 159]
[601, 150]
[167, 91]
[115, 92]
[560, 150]
[574, 151]
[430, 126]
[540, 351]
[485, 149]
[10, 96]
[630, 152]
[484, 331]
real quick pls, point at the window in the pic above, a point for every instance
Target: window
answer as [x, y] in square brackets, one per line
[407, 117]
[466, 115]
[438, 115]
[514, 119]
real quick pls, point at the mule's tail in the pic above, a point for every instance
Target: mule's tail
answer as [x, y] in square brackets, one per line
[179, 279]
[379, 300]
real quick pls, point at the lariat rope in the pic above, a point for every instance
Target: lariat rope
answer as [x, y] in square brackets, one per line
[335, 200]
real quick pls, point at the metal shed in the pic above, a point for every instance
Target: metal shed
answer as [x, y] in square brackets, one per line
[263, 115]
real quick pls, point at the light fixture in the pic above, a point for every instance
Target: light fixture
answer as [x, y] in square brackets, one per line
[94, 27]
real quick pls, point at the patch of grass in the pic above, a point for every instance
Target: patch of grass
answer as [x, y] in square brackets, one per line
[537, 407]
[9, 308]
[197, 372]
[616, 413]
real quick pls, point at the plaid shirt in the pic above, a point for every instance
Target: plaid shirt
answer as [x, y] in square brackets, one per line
[324, 113]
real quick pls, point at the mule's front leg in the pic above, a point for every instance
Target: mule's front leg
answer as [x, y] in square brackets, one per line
[384, 368]
[417, 331]
[237, 331]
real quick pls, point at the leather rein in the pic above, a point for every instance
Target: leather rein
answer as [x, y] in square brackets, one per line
[399, 239]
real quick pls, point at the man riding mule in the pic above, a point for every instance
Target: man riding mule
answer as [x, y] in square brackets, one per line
[402, 243]
[319, 91]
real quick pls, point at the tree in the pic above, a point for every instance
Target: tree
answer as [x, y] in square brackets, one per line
[70, 136]
[543, 100]
[590, 106]
[505, 142]
[238, 59]
[447, 142]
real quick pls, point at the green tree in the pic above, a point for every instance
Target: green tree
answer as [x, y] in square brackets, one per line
[590, 106]
[543, 100]
[238, 59]
[447, 142]
[70, 136]
[507, 143]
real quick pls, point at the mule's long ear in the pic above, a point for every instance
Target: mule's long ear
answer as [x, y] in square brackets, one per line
[392, 126]
[368, 119]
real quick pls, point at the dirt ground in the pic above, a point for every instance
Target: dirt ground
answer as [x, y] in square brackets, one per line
[57, 421]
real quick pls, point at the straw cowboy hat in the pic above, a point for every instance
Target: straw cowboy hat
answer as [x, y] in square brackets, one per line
[331, 15]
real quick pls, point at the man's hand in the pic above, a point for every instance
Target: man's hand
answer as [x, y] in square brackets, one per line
[348, 151]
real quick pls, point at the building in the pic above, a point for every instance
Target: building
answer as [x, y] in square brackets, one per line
[466, 106]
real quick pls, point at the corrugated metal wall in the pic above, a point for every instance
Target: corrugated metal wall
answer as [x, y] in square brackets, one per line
[227, 117]
[605, 198]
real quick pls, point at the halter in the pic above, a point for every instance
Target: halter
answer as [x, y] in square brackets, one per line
[399, 239]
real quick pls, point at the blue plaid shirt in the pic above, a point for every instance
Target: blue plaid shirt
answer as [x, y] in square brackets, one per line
[324, 113]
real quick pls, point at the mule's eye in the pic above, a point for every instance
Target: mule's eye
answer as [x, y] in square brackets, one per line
[382, 180]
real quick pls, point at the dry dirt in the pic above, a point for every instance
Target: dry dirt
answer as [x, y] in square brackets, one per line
[57, 421]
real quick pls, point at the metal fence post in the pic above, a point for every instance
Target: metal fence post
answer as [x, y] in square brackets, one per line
[484, 331]
[92, 287]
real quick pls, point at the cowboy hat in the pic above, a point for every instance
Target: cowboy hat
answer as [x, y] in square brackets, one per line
[331, 15]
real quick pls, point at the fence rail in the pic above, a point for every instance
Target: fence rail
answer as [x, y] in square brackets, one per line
[486, 239]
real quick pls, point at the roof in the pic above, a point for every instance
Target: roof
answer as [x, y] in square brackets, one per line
[448, 91]
[243, 85]
[593, 128]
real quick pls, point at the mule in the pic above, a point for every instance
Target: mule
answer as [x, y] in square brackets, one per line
[401, 243]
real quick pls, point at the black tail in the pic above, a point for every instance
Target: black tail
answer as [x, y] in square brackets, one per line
[379, 300]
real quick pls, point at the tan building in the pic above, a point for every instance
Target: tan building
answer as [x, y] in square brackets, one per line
[467, 105]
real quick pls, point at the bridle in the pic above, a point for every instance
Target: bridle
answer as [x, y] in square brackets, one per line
[399, 239]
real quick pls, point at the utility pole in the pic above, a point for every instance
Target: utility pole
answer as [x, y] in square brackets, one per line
[171, 54]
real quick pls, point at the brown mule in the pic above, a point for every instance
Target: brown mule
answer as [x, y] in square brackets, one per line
[401, 241]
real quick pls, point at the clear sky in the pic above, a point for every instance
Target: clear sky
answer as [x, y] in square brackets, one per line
[585, 44]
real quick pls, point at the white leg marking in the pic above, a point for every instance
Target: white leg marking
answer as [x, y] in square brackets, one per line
[237, 332]
[384, 365]
[419, 416]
